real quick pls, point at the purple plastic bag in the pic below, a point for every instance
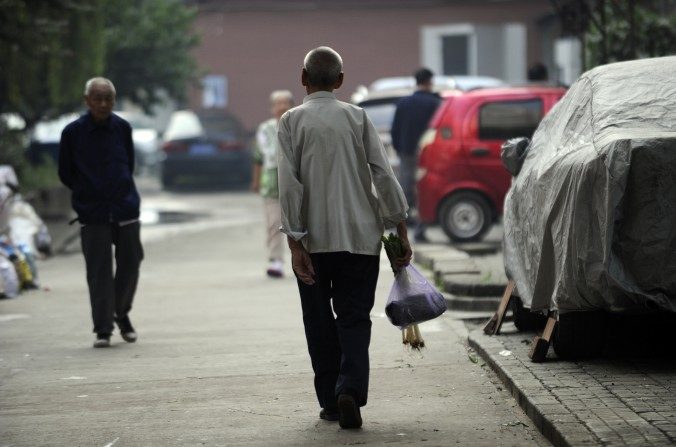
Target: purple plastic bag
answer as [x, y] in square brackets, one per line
[412, 299]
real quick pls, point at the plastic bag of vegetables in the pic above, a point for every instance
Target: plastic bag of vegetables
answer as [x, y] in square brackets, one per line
[412, 298]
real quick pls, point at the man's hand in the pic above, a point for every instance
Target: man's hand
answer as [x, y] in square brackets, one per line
[405, 260]
[301, 262]
[408, 254]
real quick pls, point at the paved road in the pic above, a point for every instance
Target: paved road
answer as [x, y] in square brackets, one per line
[221, 357]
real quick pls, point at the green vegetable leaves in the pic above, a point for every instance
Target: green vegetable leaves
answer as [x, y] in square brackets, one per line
[394, 248]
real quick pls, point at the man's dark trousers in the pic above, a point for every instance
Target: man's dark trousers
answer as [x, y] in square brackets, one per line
[111, 295]
[339, 345]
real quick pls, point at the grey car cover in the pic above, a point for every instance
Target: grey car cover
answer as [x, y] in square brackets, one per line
[590, 219]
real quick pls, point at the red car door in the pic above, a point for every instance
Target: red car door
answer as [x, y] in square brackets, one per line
[489, 122]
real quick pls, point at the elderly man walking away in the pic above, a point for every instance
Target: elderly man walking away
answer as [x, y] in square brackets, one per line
[265, 179]
[96, 162]
[330, 158]
[411, 119]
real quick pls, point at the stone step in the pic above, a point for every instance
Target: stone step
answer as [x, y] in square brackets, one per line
[454, 266]
[479, 248]
[428, 254]
[476, 285]
[472, 303]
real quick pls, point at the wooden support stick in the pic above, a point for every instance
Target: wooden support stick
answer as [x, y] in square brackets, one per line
[493, 325]
[540, 345]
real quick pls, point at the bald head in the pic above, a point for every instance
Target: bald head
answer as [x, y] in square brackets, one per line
[324, 67]
[99, 82]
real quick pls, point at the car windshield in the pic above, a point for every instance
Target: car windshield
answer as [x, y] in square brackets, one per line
[220, 127]
[381, 114]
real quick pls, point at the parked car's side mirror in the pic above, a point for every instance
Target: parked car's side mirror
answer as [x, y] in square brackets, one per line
[513, 153]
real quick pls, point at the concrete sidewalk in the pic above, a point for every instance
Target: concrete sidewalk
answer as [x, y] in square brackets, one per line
[221, 360]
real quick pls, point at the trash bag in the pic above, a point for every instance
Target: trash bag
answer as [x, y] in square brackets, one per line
[25, 226]
[513, 153]
[20, 262]
[31, 281]
[9, 280]
[412, 299]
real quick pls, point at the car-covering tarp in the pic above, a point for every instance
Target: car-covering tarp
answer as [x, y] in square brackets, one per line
[590, 219]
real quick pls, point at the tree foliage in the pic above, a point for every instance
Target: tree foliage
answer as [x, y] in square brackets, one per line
[148, 49]
[619, 30]
[624, 30]
[48, 49]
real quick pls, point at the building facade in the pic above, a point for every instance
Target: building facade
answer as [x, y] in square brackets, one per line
[251, 47]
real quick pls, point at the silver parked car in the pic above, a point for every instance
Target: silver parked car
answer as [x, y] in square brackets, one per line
[146, 140]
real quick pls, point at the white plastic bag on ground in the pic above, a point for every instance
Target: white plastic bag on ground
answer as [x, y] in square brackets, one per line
[8, 278]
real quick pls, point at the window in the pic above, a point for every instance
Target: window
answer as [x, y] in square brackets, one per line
[450, 49]
[455, 54]
[509, 119]
[214, 92]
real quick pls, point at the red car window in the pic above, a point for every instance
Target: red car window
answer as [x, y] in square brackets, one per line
[501, 120]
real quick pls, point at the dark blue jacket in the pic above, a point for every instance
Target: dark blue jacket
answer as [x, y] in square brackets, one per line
[96, 162]
[411, 119]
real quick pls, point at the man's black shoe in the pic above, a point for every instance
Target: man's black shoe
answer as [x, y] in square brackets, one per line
[420, 238]
[126, 329]
[350, 416]
[102, 341]
[329, 415]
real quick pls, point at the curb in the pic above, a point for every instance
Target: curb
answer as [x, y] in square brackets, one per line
[547, 413]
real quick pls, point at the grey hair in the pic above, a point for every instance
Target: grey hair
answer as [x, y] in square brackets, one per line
[98, 81]
[280, 95]
[323, 66]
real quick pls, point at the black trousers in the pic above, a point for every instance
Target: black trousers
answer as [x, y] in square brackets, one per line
[111, 293]
[339, 345]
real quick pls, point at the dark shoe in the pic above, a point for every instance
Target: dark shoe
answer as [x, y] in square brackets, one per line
[276, 269]
[420, 238]
[126, 329]
[329, 415]
[350, 416]
[102, 341]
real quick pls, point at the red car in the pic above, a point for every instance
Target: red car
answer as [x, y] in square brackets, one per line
[461, 180]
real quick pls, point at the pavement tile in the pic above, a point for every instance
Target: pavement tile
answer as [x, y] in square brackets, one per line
[620, 402]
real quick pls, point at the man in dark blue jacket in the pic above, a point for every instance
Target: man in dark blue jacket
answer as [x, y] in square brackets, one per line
[96, 162]
[411, 119]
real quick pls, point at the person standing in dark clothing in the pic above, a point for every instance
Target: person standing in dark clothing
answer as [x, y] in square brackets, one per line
[411, 119]
[96, 162]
